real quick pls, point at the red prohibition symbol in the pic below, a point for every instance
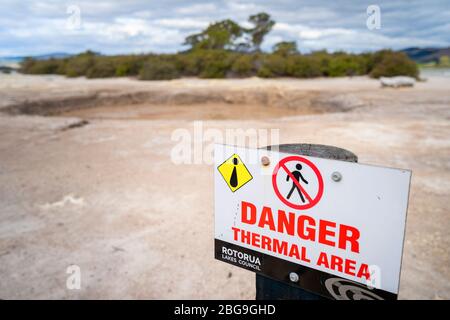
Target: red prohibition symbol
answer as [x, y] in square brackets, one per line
[296, 179]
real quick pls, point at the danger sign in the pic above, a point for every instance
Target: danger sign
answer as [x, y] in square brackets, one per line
[339, 226]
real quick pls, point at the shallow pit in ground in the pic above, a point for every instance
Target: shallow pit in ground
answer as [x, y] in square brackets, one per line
[185, 104]
[184, 112]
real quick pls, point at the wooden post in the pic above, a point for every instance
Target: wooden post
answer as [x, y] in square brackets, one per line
[266, 288]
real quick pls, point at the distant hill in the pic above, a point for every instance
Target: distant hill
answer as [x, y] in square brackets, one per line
[55, 55]
[13, 62]
[426, 55]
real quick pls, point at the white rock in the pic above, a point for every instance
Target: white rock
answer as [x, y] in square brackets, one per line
[397, 82]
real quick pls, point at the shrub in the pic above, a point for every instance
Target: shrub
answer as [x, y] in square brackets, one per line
[128, 65]
[101, 68]
[158, 69]
[322, 58]
[188, 64]
[32, 66]
[275, 64]
[390, 64]
[204, 63]
[342, 64]
[214, 63]
[122, 70]
[303, 66]
[244, 66]
[264, 72]
[79, 65]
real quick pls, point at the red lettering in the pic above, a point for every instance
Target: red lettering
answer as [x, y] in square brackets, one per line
[280, 246]
[284, 224]
[294, 252]
[255, 239]
[346, 266]
[336, 263]
[235, 233]
[349, 234]
[306, 233]
[364, 272]
[323, 260]
[266, 243]
[304, 257]
[266, 219]
[245, 236]
[244, 213]
[350, 267]
[324, 232]
[333, 262]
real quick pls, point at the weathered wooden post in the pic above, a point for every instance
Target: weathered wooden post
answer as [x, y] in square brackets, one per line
[266, 288]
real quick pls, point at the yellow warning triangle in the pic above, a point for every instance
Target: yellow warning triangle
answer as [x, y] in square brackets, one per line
[234, 172]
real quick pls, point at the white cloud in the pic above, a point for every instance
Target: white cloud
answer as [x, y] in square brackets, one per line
[183, 23]
[197, 8]
[114, 26]
[244, 6]
[305, 32]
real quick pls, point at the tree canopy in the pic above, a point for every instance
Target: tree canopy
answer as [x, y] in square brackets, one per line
[262, 26]
[229, 35]
[218, 35]
[285, 48]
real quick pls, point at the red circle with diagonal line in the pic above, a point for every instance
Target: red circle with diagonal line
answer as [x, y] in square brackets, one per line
[312, 201]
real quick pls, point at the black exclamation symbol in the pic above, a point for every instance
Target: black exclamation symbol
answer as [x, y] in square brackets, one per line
[234, 179]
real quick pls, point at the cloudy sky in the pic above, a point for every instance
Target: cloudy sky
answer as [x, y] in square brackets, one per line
[135, 26]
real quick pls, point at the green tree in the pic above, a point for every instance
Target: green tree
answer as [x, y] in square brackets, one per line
[285, 48]
[262, 26]
[219, 35]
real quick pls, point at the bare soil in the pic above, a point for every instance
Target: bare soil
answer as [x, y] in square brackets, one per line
[86, 177]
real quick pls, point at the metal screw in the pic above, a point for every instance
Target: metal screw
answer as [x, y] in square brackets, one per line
[265, 161]
[336, 176]
[293, 277]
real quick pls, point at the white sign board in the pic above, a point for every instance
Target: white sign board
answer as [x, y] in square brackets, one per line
[329, 221]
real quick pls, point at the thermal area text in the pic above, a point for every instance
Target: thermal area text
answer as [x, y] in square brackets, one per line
[306, 228]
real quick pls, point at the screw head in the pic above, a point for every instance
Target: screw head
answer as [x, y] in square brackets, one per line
[265, 161]
[294, 277]
[336, 176]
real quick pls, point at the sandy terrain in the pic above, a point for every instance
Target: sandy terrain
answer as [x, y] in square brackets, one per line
[105, 195]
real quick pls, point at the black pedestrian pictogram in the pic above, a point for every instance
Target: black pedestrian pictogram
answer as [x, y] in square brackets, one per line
[297, 175]
[308, 198]
[234, 179]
